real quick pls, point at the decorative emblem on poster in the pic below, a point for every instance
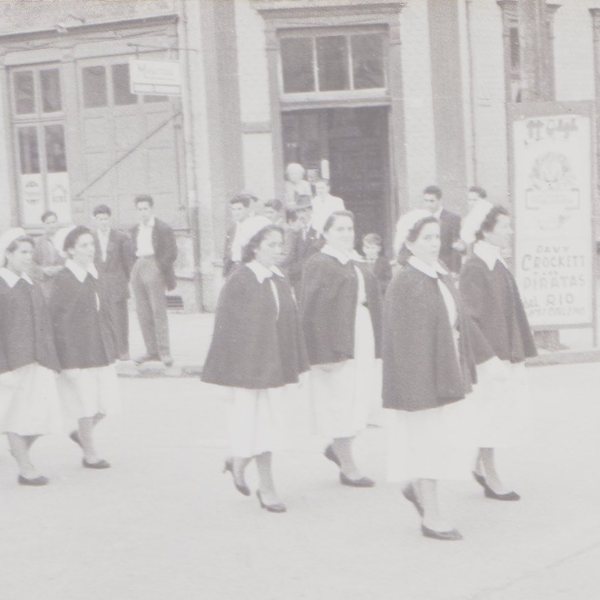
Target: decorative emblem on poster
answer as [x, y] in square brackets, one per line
[552, 193]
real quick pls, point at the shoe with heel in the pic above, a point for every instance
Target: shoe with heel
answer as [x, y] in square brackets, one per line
[490, 493]
[241, 487]
[278, 507]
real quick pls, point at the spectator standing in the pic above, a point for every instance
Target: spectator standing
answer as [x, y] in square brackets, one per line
[152, 275]
[47, 259]
[451, 246]
[114, 260]
[324, 204]
[377, 262]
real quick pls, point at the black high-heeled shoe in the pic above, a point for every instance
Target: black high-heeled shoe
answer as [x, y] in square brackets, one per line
[279, 507]
[35, 481]
[242, 488]
[490, 493]
[451, 535]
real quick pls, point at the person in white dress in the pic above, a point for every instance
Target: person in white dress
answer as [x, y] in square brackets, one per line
[324, 204]
[428, 369]
[504, 341]
[257, 353]
[341, 318]
[29, 404]
[86, 344]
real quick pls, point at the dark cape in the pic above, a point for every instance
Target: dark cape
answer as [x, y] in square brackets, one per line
[252, 347]
[83, 331]
[494, 304]
[26, 335]
[421, 369]
[328, 307]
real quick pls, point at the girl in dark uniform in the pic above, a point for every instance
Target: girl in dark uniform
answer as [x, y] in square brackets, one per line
[257, 353]
[85, 342]
[29, 404]
[428, 369]
[504, 342]
[341, 317]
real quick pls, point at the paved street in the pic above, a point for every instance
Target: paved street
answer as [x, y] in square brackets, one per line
[164, 523]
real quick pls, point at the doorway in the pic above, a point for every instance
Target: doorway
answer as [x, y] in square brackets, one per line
[350, 146]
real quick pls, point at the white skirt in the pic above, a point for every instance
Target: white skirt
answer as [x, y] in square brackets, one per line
[344, 400]
[436, 443]
[502, 405]
[89, 392]
[32, 406]
[255, 420]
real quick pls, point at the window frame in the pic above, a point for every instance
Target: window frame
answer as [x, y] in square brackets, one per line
[368, 94]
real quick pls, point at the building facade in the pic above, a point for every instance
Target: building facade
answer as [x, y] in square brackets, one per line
[382, 97]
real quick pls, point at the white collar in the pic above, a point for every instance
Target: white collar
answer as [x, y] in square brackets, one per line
[431, 271]
[150, 223]
[79, 272]
[438, 213]
[102, 233]
[11, 278]
[337, 254]
[263, 272]
[488, 253]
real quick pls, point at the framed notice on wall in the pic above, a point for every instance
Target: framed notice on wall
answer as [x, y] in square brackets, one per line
[552, 182]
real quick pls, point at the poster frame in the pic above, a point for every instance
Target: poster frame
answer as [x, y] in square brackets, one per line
[586, 108]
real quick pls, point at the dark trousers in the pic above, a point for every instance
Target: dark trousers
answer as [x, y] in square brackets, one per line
[149, 291]
[120, 317]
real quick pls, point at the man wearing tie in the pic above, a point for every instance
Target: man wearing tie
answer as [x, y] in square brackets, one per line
[152, 275]
[114, 260]
[306, 241]
[451, 245]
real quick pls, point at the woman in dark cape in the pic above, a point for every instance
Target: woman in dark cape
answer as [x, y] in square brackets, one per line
[504, 341]
[341, 318]
[85, 342]
[29, 403]
[257, 352]
[428, 370]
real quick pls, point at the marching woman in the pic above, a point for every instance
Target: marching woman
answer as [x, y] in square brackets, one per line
[504, 341]
[341, 317]
[428, 369]
[85, 342]
[29, 404]
[257, 352]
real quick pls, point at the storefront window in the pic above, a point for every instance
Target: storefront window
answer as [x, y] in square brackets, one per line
[94, 86]
[332, 63]
[120, 81]
[28, 150]
[56, 157]
[327, 63]
[24, 92]
[367, 61]
[50, 86]
[297, 61]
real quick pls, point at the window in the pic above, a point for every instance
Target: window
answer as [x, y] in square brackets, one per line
[29, 153]
[24, 92]
[328, 63]
[94, 86]
[56, 156]
[50, 85]
[120, 81]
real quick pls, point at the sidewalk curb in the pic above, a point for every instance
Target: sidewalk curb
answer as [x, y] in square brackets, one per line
[565, 357]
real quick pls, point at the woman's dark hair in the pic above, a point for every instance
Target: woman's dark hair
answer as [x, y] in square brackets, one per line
[74, 235]
[275, 204]
[24, 239]
[478, 190]
[434, 190]
[102, 209]
[243, 199]
[249, 250]
[332, 218]
[48, 213]
[413, 236]
[491, 219]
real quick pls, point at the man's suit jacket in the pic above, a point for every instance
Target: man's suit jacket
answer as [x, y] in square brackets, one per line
[115, 270]
[165, 250]
[227, 262]
[301, 248]
[450, 233]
